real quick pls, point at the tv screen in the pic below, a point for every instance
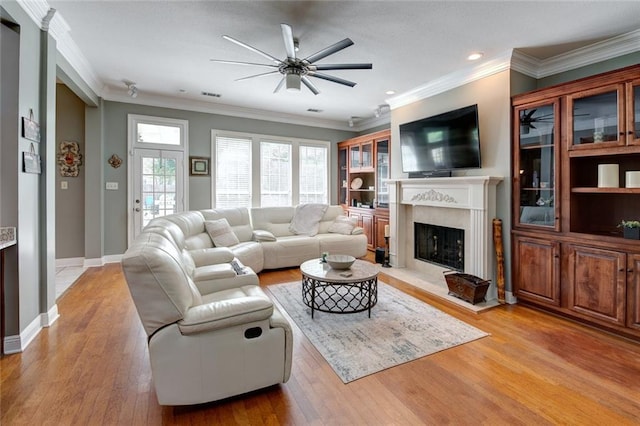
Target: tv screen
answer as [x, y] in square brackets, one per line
[443, 142]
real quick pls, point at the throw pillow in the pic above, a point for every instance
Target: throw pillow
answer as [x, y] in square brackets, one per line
[221, 233]
[306, 219]
[262, 235]
[343, 225]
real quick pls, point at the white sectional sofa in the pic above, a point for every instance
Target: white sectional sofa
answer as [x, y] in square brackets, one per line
[212, 331]
[265, 240]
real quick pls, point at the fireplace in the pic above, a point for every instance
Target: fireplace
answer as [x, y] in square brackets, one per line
[441, 245]
[466, 204]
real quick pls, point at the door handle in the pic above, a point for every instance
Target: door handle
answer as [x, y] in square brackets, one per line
[137, 209]
[137, 201]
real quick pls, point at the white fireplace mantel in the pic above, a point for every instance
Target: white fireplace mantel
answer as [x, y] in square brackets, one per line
[473, 199]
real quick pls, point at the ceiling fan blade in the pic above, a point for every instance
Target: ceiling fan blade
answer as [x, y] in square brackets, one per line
[279, 86]
[332, 78]
[341, 67]
[309, 84]
[257, 75]
[329, 50]
[287, 36]
[253, 49]
[221, 61]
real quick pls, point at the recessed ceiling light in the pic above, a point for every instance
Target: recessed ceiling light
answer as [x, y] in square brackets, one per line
[475, 56]
[390, 92]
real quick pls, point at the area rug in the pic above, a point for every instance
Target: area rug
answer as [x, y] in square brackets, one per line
[401, 329]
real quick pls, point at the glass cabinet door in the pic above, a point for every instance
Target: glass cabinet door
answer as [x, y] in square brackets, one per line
[633, 113]
[596, 119]
[354, 157]
[342, 177]
[536, 165]
[367, 155]
[382, 174]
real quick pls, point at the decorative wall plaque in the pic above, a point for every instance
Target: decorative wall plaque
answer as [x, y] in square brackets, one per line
[115, 161]
[69, 159]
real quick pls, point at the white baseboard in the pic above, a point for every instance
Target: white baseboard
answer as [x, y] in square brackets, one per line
[510, 298]
[16, 344]
[69, 261]
[111, 258]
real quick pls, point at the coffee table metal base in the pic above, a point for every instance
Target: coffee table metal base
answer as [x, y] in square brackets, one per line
[340, 298]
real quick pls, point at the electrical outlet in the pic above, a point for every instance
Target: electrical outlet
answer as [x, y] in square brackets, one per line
[64, 184]
[112, 186]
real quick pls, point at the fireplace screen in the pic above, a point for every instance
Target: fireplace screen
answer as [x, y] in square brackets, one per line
[440, 245]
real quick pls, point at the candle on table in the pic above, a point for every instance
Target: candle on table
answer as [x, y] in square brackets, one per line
[386, 231]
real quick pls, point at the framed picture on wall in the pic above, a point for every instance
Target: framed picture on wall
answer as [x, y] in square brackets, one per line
[199, 166]
[30, 129]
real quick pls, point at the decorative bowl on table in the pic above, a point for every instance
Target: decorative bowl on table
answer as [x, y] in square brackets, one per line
[340, 261]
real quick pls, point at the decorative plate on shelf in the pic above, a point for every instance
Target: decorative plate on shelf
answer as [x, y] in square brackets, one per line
[356, 183]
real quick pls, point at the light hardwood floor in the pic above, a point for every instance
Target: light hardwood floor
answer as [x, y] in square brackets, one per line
[91, 367]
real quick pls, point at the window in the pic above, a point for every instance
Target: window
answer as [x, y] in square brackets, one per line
[313, 174]
[158, 133]
[275, 174]
[233, 172]
[264, 171]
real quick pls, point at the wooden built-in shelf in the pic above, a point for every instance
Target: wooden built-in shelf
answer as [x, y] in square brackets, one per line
[591, 190]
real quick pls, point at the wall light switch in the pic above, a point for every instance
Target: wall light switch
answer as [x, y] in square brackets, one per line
[64, 184]
[112, 185]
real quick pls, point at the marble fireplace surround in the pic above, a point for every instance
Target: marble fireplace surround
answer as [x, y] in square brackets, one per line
[467, 203]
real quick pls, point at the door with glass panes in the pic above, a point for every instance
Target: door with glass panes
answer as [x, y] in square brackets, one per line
[158, 184]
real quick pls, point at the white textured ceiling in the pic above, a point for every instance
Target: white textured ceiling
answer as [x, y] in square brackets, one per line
[166, 46]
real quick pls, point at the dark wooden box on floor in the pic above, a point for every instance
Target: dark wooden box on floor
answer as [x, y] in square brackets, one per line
[466, 287]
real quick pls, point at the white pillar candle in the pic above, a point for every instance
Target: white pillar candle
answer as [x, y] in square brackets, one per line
[632, 180]
[386, 231]
[608, 176]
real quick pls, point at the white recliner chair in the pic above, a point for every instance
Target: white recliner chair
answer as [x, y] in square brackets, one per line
[203, 346]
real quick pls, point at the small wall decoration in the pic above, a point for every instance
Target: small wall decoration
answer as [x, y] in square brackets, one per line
[30, 129]
[115, 161]
[199, 166]
[69, 159]
[31, 161]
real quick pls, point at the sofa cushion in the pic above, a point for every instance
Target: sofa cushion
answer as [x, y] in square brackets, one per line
[227, 308]
[343, 225]
[238, 218]
[262, 235]
[273, 219]
[221, 233]
[306, 219]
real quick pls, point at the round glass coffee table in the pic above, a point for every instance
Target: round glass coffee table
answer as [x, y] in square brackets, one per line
[339, 291]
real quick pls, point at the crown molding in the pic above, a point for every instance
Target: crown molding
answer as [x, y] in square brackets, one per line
[162, 101]
[59, 29]
[455, 79]
[591, 54]
[533, 67]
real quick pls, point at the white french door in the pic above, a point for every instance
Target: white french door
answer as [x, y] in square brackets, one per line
[156, 175]
[158, 182]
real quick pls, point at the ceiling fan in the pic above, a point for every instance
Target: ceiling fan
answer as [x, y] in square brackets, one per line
[295, 70]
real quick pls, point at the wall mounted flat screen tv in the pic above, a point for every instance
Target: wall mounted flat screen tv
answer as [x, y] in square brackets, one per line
[441, 143]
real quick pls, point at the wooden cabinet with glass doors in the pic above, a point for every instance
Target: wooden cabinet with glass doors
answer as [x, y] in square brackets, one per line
[363, 171]
[566, 216]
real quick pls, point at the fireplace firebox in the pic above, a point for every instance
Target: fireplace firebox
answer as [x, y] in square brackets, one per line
[439, 245]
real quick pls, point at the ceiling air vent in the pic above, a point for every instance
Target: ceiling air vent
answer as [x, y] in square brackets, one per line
[314, 110]
[213, 95]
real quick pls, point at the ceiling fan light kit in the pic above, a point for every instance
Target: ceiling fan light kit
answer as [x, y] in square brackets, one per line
[293, 82]
[295, 70]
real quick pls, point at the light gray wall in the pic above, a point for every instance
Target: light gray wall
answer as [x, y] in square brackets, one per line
[492, 94]
[200, 126]
[30, 291]
[70, 202]
[9, 74]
